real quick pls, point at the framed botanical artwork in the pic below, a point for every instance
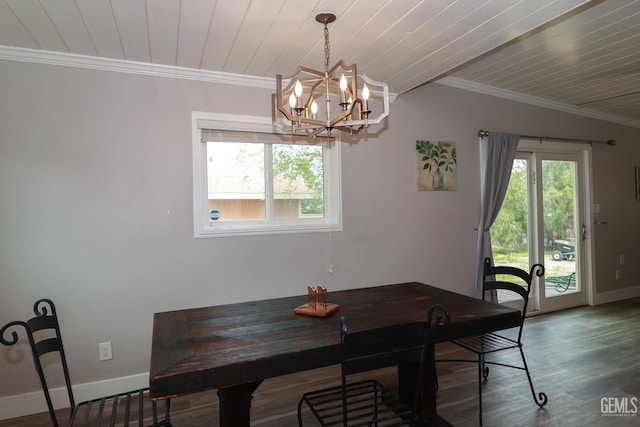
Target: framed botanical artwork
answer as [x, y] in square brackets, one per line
[436, 165]
[638, 183]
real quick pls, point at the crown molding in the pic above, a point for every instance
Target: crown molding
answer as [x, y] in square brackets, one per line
[160, 70]
[533, 100]
[133, 67]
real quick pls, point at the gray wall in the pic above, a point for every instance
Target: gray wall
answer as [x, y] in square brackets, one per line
[96, 207]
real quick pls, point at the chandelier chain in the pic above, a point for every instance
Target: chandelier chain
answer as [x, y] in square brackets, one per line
[327, 48]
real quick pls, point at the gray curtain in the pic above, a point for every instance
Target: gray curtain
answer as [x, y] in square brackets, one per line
[497, 153]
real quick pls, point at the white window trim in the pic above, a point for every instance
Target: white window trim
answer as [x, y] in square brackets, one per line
[245, 123]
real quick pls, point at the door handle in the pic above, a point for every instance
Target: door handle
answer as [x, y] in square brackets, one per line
[584, 232]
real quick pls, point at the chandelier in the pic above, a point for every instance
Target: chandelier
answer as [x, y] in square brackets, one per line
[347, 107]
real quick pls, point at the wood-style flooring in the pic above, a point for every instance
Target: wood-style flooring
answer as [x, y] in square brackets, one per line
[577, 357]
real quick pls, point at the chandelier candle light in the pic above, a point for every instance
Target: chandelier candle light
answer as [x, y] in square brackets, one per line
[298, 95]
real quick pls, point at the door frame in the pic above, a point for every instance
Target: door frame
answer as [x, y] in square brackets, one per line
[535, 149]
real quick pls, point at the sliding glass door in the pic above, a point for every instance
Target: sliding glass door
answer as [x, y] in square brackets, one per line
[542, 220]
[563, 229]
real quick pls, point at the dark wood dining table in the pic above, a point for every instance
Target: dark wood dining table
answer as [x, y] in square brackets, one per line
[234, 347]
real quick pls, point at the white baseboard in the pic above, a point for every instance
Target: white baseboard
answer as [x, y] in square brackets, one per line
[617, 295]
[35, 403]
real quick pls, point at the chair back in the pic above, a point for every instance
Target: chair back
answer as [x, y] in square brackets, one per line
[43, 333]
[511, 279]
[370, 349]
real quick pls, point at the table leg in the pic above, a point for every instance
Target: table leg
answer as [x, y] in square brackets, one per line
[235, 404]
[427, 395]
[427, 407]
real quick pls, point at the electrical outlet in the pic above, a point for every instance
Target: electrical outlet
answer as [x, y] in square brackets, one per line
[104, 351]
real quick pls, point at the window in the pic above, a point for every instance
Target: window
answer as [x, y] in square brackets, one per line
[249, 180]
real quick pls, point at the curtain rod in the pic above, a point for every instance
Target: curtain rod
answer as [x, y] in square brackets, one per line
[611, 142]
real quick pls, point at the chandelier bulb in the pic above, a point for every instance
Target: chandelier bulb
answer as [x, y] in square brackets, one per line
[314, 109]
[343, 83]
[343, 92]
[292, 100]
[365, 105]
[298, 89]
[298, 93]
[365, 92]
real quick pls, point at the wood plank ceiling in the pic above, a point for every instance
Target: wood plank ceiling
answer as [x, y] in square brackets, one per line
[580, 54]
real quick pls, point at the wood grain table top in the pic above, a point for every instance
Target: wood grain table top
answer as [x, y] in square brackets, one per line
[220, 346]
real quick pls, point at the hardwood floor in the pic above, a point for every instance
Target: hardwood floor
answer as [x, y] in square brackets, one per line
[577, 357]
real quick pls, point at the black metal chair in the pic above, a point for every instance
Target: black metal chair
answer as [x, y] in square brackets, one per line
[502, 278]
[43, 332]
[368, 402]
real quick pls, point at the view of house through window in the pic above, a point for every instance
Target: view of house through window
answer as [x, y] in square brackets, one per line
[249, 181]
[298, 181]
[249, 177]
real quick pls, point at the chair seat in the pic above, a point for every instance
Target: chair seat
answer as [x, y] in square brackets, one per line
[132, 408]
[369, 403]
[486, 343]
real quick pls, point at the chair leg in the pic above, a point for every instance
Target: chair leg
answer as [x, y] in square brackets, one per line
[480, 376]
[167, 414]
[541, 398]
[485, 369]
[300, 413]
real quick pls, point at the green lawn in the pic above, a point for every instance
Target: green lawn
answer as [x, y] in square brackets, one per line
[521, 259]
